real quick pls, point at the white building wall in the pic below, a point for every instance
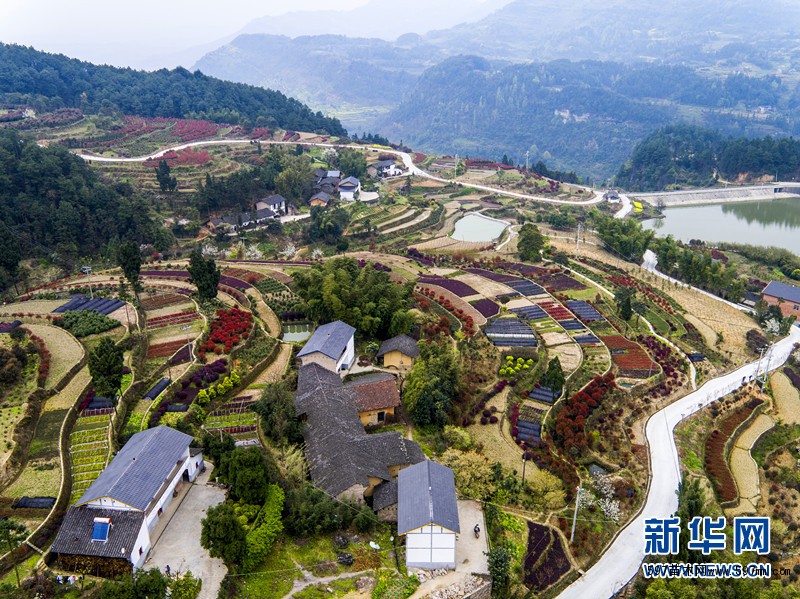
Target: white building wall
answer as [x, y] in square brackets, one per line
[347, 358]
[141, 548]
[431, 548]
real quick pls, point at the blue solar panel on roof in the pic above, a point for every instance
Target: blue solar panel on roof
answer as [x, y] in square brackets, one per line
[100, 532]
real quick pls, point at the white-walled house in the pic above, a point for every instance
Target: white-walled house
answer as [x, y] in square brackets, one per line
[349, 189]
[332, 346]
[113, 519]
[427, 515]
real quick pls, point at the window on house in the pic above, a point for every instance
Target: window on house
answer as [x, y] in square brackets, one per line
[140, 551]
[381, 416]
[796, 307]
[100, 530]
[160, 511]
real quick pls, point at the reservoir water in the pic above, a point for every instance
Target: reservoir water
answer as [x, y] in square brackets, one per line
[765, 223]
[477, 227]
[297, 332]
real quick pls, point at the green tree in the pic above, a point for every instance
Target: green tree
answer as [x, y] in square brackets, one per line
[530, 244]
[278, 418]
[248, 472]
[554, 377]
[106, 362]
[204, 274]
[691, 503]
[13, 534]
[129, 258]
[623, 297]
[166, 182]
[432, 384]
[266, 529]
[499, 561]
[186, 586]
[352, 163]
[296, 181]
[223, 535]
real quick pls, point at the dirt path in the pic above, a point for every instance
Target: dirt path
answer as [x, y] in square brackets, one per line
[425, 214]
[275, 371]
[744, 467]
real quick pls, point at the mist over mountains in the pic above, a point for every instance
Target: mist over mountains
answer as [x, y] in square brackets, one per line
[423, 88]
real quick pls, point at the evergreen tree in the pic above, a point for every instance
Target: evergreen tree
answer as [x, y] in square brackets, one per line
[106, 362]
[223, 535]
[554, 377]
[163, 175]
[129, 258]
[205, 275]
[530, 244]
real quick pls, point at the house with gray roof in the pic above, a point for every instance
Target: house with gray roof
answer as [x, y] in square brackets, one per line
[348, 189]
[398, 352]
[344, 460]
[427, 515]
[783, 295]
[383, 168]
[113, 519]
[277, 203]
[332, 346]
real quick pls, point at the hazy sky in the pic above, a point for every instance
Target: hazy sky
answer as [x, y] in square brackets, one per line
[112, 29]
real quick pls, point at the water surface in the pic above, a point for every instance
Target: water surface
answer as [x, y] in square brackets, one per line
[477, 227]
[766, 223]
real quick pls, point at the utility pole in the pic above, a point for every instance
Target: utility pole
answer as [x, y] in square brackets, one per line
[575, 515]
[87, 270]
[455, 168]
[577, 239]
[524, 461]
[527, 154]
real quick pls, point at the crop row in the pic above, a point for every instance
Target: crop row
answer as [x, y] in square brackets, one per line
[162, 301]
[715, 462]
[162, 350]
[458, 288]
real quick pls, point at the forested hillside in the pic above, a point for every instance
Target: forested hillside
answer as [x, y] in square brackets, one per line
[52, 81]
[52, 205]
[685, 155]
[575, 115]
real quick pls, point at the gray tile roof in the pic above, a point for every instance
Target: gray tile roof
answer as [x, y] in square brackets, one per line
[339, 451]
[383, 163]
[349, 182]
[329, 339]
[385, 495]
[426, 494]
[141, 467]
[275, 200]
[75, 535]
[401, 343]
[322, 196]
[783, 290]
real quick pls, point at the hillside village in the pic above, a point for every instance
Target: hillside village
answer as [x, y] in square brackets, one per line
[271, 361]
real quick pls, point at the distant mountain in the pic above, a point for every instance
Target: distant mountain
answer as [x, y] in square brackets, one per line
[376, 19]
[584, 116]
[27, 75]
[626, 31]
[355, 78]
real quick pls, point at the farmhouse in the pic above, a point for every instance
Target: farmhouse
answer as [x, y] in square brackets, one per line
[398, 352]
[320, 199]
[376, 397]
[332, 346]
[783, 295]
[349, 188]
[276, 203]
[427, 515]
[110, 525]
[383, 168]
[345, 461]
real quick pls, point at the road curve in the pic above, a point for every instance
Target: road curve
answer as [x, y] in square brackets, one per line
[622, 558]
[404, 156]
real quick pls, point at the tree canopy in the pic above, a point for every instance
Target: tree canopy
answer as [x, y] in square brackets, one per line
[129, 258]
[178, 93]
[204, 274]
[362, 296]
[432, 385]
[223, 535]
[106, 362]
[530, 243]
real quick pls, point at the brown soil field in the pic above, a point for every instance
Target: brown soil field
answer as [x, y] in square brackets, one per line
[448, 244]
[568, 354]
[486, 287]
[744, 467]
[787, 398]
[478, 318]
[32, 307]
[519, 302]
[551, 339]
[65, 350]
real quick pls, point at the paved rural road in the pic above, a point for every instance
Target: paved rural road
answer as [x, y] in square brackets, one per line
[627, 206]
[622, 558]
[405, 157]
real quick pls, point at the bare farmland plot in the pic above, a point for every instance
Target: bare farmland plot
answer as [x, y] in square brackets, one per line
[65, 350]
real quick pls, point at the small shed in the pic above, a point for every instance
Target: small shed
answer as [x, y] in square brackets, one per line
[427, 515]
[398, 352]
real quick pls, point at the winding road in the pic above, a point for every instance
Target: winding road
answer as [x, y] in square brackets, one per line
[404, 156]
[622, 558]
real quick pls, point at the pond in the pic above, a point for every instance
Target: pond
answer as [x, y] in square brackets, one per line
[766, 223]
[477, 227]
[298, 331]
